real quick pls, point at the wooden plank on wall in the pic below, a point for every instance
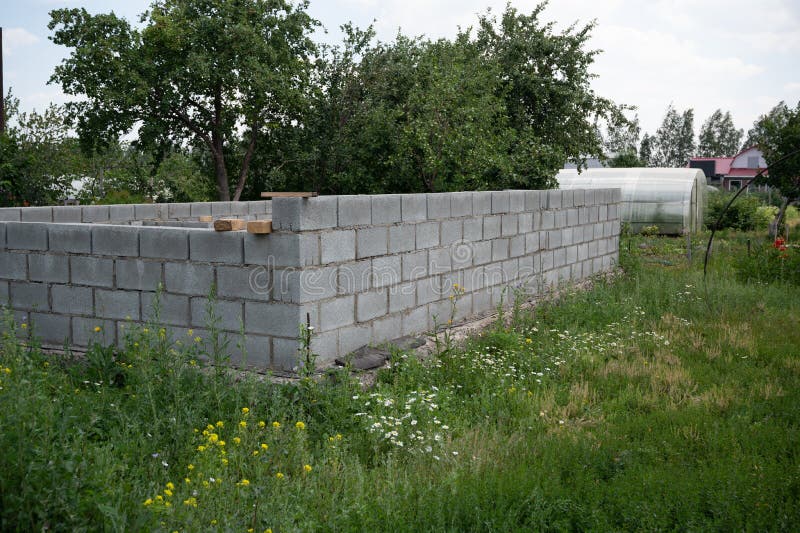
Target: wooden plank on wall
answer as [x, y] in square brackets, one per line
[229, 224]
[259, 226]
[288, 194]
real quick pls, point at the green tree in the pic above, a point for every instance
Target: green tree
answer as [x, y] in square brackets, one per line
[199, 70]
[646, 149]
[718, 136]
[673, 143]
[622, 144]
[778, 136]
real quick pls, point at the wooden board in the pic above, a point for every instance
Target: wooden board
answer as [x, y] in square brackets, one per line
[229, 224]
[259, 226]
[288, 194]
[206, 218]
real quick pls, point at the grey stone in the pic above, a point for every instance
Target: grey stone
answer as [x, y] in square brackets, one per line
[402, 238]
[8, 214]
[372, 242]
[415, 265]
[438, 205]
[306, 285]
[427, 235]
[216, 246]
[83, 331]
[370, 305]
[414, 207]
[70, 238]
[304, 214]
[117, 304]
[365, 358]
[355, 210]
[249, 283]
[501, 202]
[91, 271]
[26, 235]
[461, 204]
[338, 246]
[72, 300]
[188, 278]
[353, 337]
[164, 243]
[200, 209]
[67, 214]
[386, 271]
[482, 203]
[354, 277]
[93, 214]
[52, 330]
[121, 213]
[115, 240]
[337, 313]
[29, 296]
[36, 214]
[227, 314]
[386, 209]
[138, 275]
[452, 232]
[13, 266]
[510, 225]
[48, 267]
[473, 229]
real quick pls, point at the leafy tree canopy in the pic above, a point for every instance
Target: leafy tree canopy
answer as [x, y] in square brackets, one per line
[778, 135]
[718, 136]
[673, 143]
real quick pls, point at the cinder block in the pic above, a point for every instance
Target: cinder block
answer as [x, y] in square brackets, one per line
[461, 254]
[83, 331]
[278, 319]
[26, 235]
[94, 214]
[354, 277]
[115, 240]
[239, 209]
[491, 227]
[179, 211]
[578, 197]
[501, 202]
[173, 309]
[200, 209]
[249, 283]
[36, 214]
[91, 271]
[415, 265]
[500, 249]
[50, 329]
[554, 199]
[145, 212]
[372, 242]
[325, 346]
[482, 203]
[72, 300]
[461, 204]
[338, 246]
[438, 205]
[567, 236]
[121, 213]
[561, 219]
[493, 275]
[559, 257]
[117, 304]
[516, 201]
[473, 229]
[285, 355]
[3, 293]
[48, 267]
[481, 252]
[592, 249]
[370, 305]
[282, 249]
[66, 214]
[588, 197]
[548, 220]
[452, 232]
[219, 209]
[138, 275]
[10, 214]
[216, 246]
[354, 210]
[567, 201]
[439, 260]
[525, 222]
[402, 297]
[164, 243]
[386, 271]
[188, 278]
[510, 225]
[70, 238]
[304, 214]
[13, 266]
[428, 290]
[386, 209]
[29, 296]
[386, 329]
[532, 242]
[414, 207]
[227, 314]
[427, 235]
[255, 353]
[352, 338]
[402, 238]
[337, 313]
[305, 285]
[517, 246]
[415, 321]
[532, 201]
[482, 301]
[553, 239]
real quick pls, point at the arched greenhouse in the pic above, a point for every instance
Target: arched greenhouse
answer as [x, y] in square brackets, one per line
[671, 198]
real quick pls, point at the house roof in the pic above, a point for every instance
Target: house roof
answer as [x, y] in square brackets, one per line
[743, 172]
[722, 165]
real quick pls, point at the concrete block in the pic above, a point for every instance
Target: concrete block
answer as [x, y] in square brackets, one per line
[429, 290]
[121, 213]
[525, 222]
[501, 202]
[463, 307]
[10, 214]
[547, 260]
[594, 213]
[473, 229]
[338, 246]
[561, 219]
[337, 313]
[554, 199]
[440, 313]
[493, 275]
[48, 267]
[481, 252]
[491, 227]
[548, 220]
[532, 201]
[517, 245]
[354, 277]
[567, 201]
[179, 211]
[305, 214]
[13, 266]
[229, 315]
[354, 210]
[509, 225]
[282, 249]
[602, 213]
[200, 209]
[95, 214]
[460, 204]
[481, 203]
[325, 346]
[427, 235]
[29, 296]
[277, 319]
[188, 278]
[553, 239]
[72, 300]
[3, 293]
[415, 265]
[414, 207]
[249, 283]
[83, 331]
[352, 338]
[54, 330]
[372, 241]
[415, 321]
[482, 301]
[572, 217]
[438, 205]
[572, 255]
[216, 246]
[592, 249]
[306, 285]
[135, 274]
[26, 235]
[439, 260]
[285, 354]
[386, 209]
[91, 271]
[36, 214]
[386, 329]
[253, 352]
[531, 242]
[461, 254]
[559, 257]
[588, 197]
[386, 271]
[517, 201]
[70, 238]
[567, 236]
[578, 197]
[500, 249]
[145, 212]
[402, 238]
[67, 214]
[219, 209]
[451, 232]
[117, 304]
[402, 297]
[164, 243]
[115, 240]
[238, 209]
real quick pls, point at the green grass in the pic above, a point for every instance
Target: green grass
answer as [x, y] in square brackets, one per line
[656, 402]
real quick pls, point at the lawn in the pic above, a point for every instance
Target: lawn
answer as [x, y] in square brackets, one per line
[656, 401]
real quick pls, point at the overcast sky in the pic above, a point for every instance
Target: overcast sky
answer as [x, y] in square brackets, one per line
[737, 55]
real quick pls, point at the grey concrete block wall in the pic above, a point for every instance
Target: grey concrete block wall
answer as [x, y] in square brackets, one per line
[361, 269]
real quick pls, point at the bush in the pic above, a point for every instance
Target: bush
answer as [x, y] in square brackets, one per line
[769, 263]
[741, 215]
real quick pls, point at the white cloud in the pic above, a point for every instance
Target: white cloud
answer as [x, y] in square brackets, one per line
[14, 38]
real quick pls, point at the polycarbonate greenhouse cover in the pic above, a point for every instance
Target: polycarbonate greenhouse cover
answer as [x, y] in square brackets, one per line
[671, 198]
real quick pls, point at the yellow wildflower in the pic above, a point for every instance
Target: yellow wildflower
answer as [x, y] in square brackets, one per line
[255, 452]
[220, 424]
[191, 501]
[201, 448]
[528, 340]
[279, 475]
[24, 325]
[221, 443]
[145, 330]
[300, 425]
[187, 480]
[264, 446]
[198, 340]
[214, 522]
[190, 467]
[244, 483]
[159, 498]
[237, 440]
[168, 492]
[213, 437]
[190, 332]
[262, 424]
[242, 424]
[276, 424]
[148, 501]
[224, 461]
[245, 410]
[97, 329]
[170, 486]
[205, 483]
[307, 468]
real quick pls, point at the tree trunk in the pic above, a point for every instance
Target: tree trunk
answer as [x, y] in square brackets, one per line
[248, 156]
[223, 192]
[776, 223]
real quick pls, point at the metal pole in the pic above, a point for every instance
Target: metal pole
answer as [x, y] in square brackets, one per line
[2, 89]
